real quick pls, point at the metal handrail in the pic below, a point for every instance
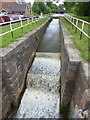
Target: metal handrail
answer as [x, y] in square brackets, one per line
[12, 21]
[21, 26]
[67, 17]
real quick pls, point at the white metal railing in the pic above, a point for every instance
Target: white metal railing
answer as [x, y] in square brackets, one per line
[21, 26]
[72, 21]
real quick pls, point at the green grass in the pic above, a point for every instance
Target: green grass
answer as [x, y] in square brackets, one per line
[86, 18]
[7, 39]
[82, 45]
[86, 26]
[33, 14]
[37, 37]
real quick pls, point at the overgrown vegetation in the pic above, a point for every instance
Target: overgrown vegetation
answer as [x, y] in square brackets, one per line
[86, 18]
[65, 111]
[6, 39]
[36, 37]
[79, 8]
[83, 44]
[42, 7]
[33, 14]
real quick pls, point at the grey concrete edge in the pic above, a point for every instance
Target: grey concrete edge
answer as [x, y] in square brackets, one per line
[13, 45]
[74, 54]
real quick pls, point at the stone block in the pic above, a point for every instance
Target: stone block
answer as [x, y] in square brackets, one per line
[8, 72]
[16, 59]
[75, 80]
[85, 100]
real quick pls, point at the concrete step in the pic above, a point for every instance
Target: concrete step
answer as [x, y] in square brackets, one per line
[45, 72]
[42, 96]
[48, 55]
[38, 104]
[44, 82]
[46, 64]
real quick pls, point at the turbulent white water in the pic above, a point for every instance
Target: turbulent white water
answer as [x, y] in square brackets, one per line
[42, 96]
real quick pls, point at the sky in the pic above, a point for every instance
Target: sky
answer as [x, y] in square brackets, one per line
[60, 1]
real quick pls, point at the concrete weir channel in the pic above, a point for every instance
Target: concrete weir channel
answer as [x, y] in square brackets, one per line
[41, 98]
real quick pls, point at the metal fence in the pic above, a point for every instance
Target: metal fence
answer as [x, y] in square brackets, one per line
[10, 23]
[75, 21]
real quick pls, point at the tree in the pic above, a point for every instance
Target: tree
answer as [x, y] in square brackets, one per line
[69, 6]
[83, 8]
[79, 8]
[52, 6]
[61, 7]
[39, 7]
[48, 9]
[42, 7]
[36, 8]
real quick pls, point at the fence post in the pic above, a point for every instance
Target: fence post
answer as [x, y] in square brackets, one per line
[28, 22]
[11, 29]
[38, 18]
[76, 26]
[32, 19]
[72, 22]
[68, 19]
[82, 30]
[21, 25]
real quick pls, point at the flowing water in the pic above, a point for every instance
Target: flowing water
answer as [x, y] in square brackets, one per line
[42, 95]
[51, 39]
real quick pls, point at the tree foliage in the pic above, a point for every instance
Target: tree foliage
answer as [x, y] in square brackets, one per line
[43, 7]
[79, 8]
[83, 9]
[61, 7]
[36, 8]
[52, 6]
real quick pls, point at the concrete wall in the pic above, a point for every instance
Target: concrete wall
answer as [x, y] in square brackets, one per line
[15, 61]
[75, 79]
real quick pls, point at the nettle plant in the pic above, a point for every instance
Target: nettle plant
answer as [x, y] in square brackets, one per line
[37, 37]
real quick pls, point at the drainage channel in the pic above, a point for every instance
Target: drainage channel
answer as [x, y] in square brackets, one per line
[42, 95]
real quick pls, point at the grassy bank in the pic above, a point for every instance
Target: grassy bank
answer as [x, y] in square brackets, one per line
[86, 26]
[86, 18]
[7, 39]
[33, 14]
[81, 45]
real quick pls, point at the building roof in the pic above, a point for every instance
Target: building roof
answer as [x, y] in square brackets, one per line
[18, 1]
[17, 7]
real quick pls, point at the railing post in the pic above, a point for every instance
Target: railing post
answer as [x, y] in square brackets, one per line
[28, 22]
[72, 22]
[82, 30]
[21, 26]
[32, 19]
[37, 18]
[76, 26]
[70, 18]
[11, 29]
